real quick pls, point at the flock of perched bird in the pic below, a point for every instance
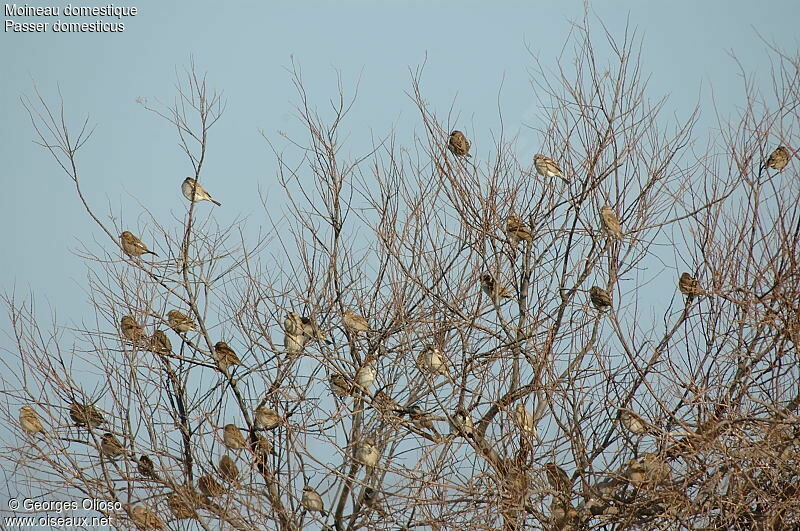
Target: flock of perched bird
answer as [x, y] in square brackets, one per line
[301, 331]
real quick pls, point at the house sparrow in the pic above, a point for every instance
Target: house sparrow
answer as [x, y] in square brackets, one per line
[146, 467]
[559, 480]
[227, 468]
[145, 519]
[339, 385]
[232, 437]
[181, 508]
[267, 418]
[461, 423]
[430, 360]
[293, 345]
[547, 167]
[632, 422]
[367, 453]
[600, 298]
[493, 289]
[458, 144]
[372, 500]
[524, 420]
[384, 403]
[261, 447]
[160, 343]
[365, 376]
[778, 159]
[133, 246]
[110, 446]
[191, 188]
[29, 420]
[354, 322]
[210, 486]
[85, 415]
[225, 356]
[421, 419]
[312, 332]
[635, 472]
[689, 286]
[179, 322]
[563, 515]
[131, 329]
[609, 222]
[517, 231]
[312, 501]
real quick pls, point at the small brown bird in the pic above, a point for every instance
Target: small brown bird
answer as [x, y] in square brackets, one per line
[85, 415]
[367, 453]
[372, 500]
[182, 508]
[632, 422]
[145, 519]
[339, 385]
[354, 322]
[635, 472]
[179, 322]
[431, 360]
[29, 420]
[563, 515]
[493, 289]
[461, 423]
[385, 403]
[689, 286]
[778, 159]
[293, 324]
[191, 188]
[524, 420]
[293, 345]
[458, 144]
[547, 167]
[232, 437]
[110, 446]
[261, 447]
[210, 486]
[657, 470]
[559, 480]
[365, 375]
[228, 469]
[225, 356]
[312, 501]
[600, 298]
[133, 246]
[131, 329]
[312, 332]
[160, 343]
[517, 231]
[609, 222]
[147, 468]
[267, 418]
[421, 419]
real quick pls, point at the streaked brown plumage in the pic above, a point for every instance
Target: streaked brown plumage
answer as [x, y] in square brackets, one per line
[365, 375]
[517, 230]
[354, 322]
[232, 437]
[458, 144]
[210, 486]
[261, 447]
[340, 385]
[461, 423]
[689, 286]
[145, 519]
[267, 418]
[160, 343]
[632, 422]
[228, 469]
[421, 419]
[85, 415]
[311, 331]
[183, 506]
[29, 420]
[190, 185]
[146, 467]
[179, 322]
[609, 222]
[225, 356]
[110, 446]
[493, 289]
[312, 501]
[600, 298]
[559, 480]
[131, 329]
[778, 159]
[547, 167]
[133, 246]
[524, 420]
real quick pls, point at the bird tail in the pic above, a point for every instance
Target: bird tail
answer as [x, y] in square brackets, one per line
[215, 202]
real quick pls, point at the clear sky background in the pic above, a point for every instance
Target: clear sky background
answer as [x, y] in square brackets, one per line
[476, 57]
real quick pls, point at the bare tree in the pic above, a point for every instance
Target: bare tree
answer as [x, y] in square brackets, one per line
[426, 339]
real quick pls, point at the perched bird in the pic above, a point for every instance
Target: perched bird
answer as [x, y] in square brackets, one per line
[146, 519]
[632, 422]
[160, 343]
[339, 385]
[267, 418]
[365, 375]
[689, 286]
[312, 501]
[493, 289]
[635, 472]
[181, 508]
[367, 453]
[517, 231]
[133, 246]
[524, 420]
[372, 500]
[131, 329]
[110, 446]
[85, 415]
[385, 403]
[600, 298]
[559, 480]
[421, 419]
[778, 159]
[563, 515]
[210, 486]
[261, 447]
[194, 192]
[227, 468]
[29, 420]
[293, 324]
[354, 322]
[293, 338]
[461, 423]
[458, 144]
[547, 167]
[657, 470]
[609, 222]
[293, 345]
[225, 356]
[232, 437]
[146, 467]
[180, 322]
[312, 332]
[431, 360]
